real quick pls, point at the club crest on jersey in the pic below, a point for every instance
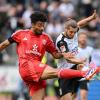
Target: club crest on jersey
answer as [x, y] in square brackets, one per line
[44, 42]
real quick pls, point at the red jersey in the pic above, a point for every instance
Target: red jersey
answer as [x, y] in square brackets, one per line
[31, 46]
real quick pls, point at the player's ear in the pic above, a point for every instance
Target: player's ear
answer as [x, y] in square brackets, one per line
[33, 24]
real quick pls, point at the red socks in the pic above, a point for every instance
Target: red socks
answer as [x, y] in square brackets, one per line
[70, 73]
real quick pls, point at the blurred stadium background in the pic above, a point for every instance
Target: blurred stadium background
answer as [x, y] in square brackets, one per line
[14, 15]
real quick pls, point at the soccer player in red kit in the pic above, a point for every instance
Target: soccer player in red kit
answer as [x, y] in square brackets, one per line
[31, 46]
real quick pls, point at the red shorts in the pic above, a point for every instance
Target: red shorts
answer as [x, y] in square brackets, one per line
[31, 73]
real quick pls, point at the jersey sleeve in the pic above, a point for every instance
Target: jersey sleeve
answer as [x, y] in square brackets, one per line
[17, 36]
[50, 46]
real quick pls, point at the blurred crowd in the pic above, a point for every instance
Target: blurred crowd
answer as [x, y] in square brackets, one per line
[15, 14]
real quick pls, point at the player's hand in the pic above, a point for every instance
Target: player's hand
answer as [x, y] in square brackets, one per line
[68, 55]
[80, 66]
[94, 15]
[83, 60]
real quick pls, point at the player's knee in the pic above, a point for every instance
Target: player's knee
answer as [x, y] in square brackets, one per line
[49, 73]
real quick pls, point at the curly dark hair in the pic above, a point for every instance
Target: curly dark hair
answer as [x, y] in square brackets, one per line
[38, 16]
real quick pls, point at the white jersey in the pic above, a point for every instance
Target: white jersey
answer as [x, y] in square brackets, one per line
[64, 44]
[85, 53]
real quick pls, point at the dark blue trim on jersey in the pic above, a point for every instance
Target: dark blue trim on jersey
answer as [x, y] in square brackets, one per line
[11, 40]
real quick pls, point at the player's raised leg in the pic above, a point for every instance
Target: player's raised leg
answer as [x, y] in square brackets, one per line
[50, 72]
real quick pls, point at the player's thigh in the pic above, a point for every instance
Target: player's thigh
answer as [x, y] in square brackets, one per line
[67, 96]
[74, 96]
[83, 94]
[39, 95]
[83, 89]
[49, 72]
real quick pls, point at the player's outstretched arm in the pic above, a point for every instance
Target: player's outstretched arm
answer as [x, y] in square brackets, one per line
[72, 59]
[85, 21]
[76, 60]
[58, 55]
[4, 44]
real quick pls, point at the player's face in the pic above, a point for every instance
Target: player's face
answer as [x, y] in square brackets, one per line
[70, 32]
[82, 39]
[38, 27]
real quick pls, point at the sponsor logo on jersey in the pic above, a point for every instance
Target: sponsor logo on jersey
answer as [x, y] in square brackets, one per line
[35, 47]
[75, 50]
[62, 48]
[34, 50]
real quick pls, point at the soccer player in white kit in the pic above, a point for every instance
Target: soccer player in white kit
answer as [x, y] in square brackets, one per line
[83, 51]
[67, 41]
